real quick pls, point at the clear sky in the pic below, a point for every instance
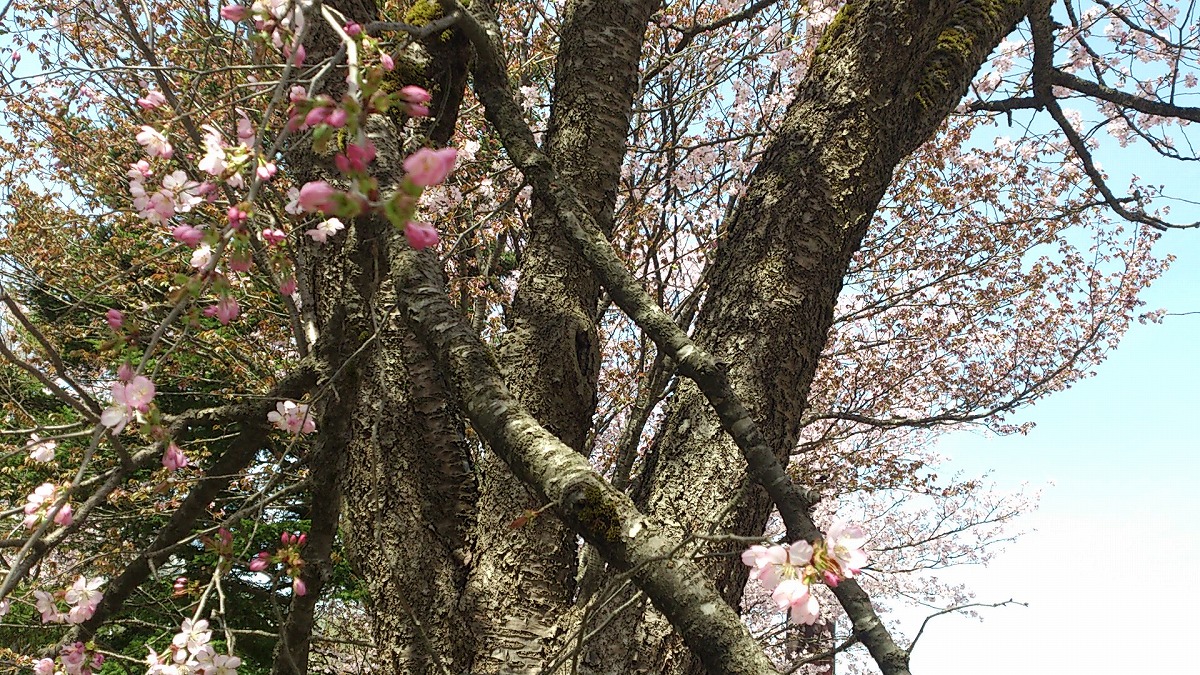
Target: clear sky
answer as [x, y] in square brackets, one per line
[1112, 572]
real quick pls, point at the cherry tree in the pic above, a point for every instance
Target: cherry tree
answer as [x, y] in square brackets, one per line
[604, 336]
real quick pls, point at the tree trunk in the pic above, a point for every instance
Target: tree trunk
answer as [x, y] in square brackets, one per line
[523, 582]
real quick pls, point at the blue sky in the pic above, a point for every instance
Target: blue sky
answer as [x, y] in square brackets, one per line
[1110, 574]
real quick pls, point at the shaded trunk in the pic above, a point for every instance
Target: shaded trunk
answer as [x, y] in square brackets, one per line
[524, 579]
[404, 469]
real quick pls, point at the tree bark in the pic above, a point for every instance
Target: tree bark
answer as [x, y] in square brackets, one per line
[884, 77]
[523, 582]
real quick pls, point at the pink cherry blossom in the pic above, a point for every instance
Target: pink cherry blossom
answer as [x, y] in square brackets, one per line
[65, 516]
[44, 667]
[420, 235]
[795, 595]
[45, 604]
[316, 116]
[337, 118]
[139, 170]
[260, 561]
[774, 564]
[72, 657]
[85, 596]
[225, 310]
[187, 235]
[128, 400]
[202, 257]
[273, 236]
[427, 167]
[41, 450]
[328, 228]
[234, 12]
[316, 196]
[152, 100]
[292, 417]
[174, 458]
[293, 205]
[245, 130]
[843, 545]
[192, 635]
[415, 99]
[155, 143]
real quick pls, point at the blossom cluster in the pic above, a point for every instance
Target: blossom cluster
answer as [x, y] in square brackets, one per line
[292, 417]
[191, 653]
[789, 571]
[131, 397]
[41, 450]
[82, 598]
[76, 659]
[287, 555]
[41, 501]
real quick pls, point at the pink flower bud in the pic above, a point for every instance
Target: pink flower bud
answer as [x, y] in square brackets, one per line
[125, 372]
[352, 29]
[427, 167]
[65, 517]
[233, 12]
[316, 116]
[152, 100]
[188, 235]
[298, 587]
[414, 94]
[298, 57]
[420, 235]
[387, 62]
[225, 310]
[237, 217]
[831, 579]
[274, 236]
[115, 319]
[267, 171]
[337, 118]
[259, 562]
[174, 458]
[317, 196]
[288, 286]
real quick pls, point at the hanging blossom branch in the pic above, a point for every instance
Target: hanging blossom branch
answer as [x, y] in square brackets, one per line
[793, 502]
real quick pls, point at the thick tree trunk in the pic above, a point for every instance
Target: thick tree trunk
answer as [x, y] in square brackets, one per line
[405, 475]
[883, 79]
[523, 581]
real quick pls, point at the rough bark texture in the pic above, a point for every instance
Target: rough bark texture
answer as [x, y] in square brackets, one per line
[587, 503]
[524, 579]
[885, 76]
[407, 483]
